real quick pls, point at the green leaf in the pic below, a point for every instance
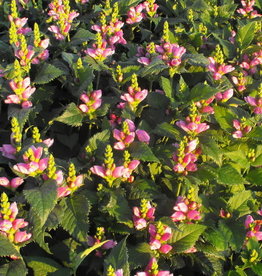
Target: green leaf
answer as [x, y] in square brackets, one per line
[196, 59]
[167, 87]
[78, 259]
[224, 117]
[202, 91]
[117, 206]
[245, 35]
[239, 157]
[42, 265]
[255, 176]
[82, 35]
[186, 236]
[238, 203]
[72, 116]
[86, 77]
[258, 161]
[228, 175]
[255, 134]
[47, 73]
[154, 68]
[98, 139]
[7, 248]
[21, 115]
[14, 268]
[136, 258]
[157, 100]
[165, 129]
[75, 220]
[118, 257]
[42, 199]
[212, 150]
[259, 3]
[257, 268]
[142, 151]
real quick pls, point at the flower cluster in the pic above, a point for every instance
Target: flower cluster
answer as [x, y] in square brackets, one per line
[247, 9]
[186, 156]
[134, 96]
[128, 134]
[143, 215]
[110, 172]
[193, 125]
[186, 210]
[60, 12]
[256, 103]
[253, 227]
[136, 14]
[92, 101]
[98, 238]
[241, 128]
[250, 63]
[217, 66]
[159, 235]
[13, 183]
[10, 225]
[109, 33]
[35, 164]
[152, 270]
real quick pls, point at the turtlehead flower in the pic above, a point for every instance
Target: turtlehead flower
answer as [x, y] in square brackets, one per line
[256, 103]
[152, 270]
[8, 151]
[241, 129]
[20, 23]
[218, 70]
[134, 96]
[186, 210]
[34, 163]
[159, 235]
[204, 106]
[100, 51]
[23, 91]
[92, 101]
[193, 126]
[247, 9]
[224, 96]
[143, 215]
[253, 227]
[135, 14]
[10, 225]
[13, 183]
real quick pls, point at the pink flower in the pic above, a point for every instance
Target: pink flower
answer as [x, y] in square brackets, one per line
[8, 151]
[134, 96]
[92, 101]
[185, 210]
[241, 129]
[100, 52]
[224, 96]
[217, 69]
[193, 127]
[135, 14]
[22, 236]
[255, 102]
[152, 270]
[254, 228]
[4, 181]
[142, 215]
[142, 136]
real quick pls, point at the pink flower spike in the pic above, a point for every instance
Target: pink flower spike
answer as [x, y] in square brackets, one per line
[249, 219]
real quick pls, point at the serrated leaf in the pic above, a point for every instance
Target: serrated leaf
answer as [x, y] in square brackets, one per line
[186, 236]
[196, 59]
[82, 255]
[228, 175]
[258, 161]
[154, 68]
[245, 35]
[255, 176]
[239, 157]
[47, 73]
[136, 258]
[118, 258]
[42, 199]
[42, 265]
[21, 115]
[224, 117]
[238, 203]
[100, 137]
[212, 150]
[72, 116]
[75, 220]
[202, 91]
[165, 129]
[82, 35]
[255, 134]
[7, 248]
[142, 151]
[257, 268]
[14, 268]
[167, 87]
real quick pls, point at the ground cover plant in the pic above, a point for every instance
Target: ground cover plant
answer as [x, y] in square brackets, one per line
[131, 137]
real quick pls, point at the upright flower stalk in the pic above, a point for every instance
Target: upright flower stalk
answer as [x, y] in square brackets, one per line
[10, 225]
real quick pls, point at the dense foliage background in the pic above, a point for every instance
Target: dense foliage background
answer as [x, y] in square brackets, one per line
[130, 137]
